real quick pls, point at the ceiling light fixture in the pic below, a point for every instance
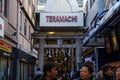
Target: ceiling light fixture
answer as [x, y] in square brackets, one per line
[51, 32]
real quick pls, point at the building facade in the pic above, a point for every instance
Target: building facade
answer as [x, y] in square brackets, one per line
[17, 22]
[60, 30]
[101, 21]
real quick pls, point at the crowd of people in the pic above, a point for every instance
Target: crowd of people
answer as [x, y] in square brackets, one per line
[106, 72]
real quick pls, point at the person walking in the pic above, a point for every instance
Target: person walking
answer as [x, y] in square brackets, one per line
[117, 73]
[38, 74]
[86, 72]
[50, 71]
[105, 73]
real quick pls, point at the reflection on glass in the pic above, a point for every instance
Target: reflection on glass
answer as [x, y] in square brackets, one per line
[108, 46]
[114, 41]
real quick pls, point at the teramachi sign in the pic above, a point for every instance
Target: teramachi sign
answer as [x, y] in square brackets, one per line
[61, 19]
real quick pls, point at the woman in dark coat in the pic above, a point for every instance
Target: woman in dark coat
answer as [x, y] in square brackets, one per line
[117, 73]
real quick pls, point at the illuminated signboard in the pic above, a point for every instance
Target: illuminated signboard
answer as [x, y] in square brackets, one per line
[61, 19]
[5, 47]
[1, 27]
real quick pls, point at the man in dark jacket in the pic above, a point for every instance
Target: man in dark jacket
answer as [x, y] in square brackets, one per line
[50, 71]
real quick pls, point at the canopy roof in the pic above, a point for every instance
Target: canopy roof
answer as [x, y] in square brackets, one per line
[61, 6]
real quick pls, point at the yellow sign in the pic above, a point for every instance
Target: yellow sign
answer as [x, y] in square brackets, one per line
[5, 47]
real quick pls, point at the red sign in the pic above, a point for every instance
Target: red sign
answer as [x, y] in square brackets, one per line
[0, 26]
[5, 47]
[61, 18]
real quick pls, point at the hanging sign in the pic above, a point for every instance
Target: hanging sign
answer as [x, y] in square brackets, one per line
[61, 19]
[5, 47]
[1, 27]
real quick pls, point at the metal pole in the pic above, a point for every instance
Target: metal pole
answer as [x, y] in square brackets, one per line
[96, 59]
[78, 52]
[41, 54]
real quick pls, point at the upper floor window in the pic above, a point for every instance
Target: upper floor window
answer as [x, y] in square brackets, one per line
[86, 8]
[29, 33]
[20, 21]
[4, 7]
[25, 27]
[33, 11]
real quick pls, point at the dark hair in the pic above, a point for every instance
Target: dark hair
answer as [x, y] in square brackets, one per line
[38, 69]
[48, 67]
[116, 69]
[90, 68]
[88, 63]
[106, 67]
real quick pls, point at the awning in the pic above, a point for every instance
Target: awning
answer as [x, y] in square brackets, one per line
[109, 19]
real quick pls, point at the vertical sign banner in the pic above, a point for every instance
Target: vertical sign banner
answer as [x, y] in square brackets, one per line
[2, 27]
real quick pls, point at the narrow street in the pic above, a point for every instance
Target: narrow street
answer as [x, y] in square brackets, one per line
[59, 39]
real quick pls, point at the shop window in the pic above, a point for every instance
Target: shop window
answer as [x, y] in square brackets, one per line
[108, 45]
[114, 41]
[23, 75]
[30, 71]
[5, 68]
[118, 36]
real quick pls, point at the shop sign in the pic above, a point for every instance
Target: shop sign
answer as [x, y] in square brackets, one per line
[61, 19]
[1, 27]
[5, 47]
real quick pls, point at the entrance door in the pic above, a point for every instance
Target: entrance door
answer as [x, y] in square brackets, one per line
[5, 68]
[23, 75]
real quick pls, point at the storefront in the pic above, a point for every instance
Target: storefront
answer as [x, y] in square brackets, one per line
[108, 30]
[6, 61]
[23, 65]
